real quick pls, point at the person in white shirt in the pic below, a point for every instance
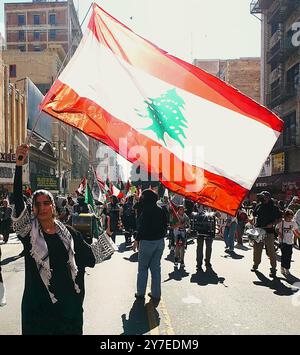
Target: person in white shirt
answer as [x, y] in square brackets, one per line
[286, 230]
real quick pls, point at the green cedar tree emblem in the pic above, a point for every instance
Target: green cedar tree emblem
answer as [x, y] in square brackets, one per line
[167, 118]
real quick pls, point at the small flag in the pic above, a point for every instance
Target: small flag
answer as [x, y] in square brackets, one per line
[81, 188]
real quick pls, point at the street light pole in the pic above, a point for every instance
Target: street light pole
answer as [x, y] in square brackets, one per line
[59, 166]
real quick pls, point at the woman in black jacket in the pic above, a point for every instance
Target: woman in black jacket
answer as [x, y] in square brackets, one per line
[55, 261]
[151, 231]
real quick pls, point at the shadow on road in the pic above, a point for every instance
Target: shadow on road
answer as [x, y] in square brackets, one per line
[170, 256]
[138, 321]
[274, 284]
[207, 277]
[233, 255]
[133, 257]
[177, 275]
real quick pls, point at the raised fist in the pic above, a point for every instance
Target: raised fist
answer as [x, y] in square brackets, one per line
[21, 154]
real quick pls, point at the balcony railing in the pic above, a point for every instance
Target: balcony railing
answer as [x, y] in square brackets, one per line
[283, 10]
[276, 74]
[275, 38]
[276, 53]
[257, 6]
[280, 94]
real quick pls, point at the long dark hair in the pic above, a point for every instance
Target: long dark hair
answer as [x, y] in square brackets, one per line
[148, 200]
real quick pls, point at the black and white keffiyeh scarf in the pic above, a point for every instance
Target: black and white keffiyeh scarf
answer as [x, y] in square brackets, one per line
[24, 225]
[39, 252]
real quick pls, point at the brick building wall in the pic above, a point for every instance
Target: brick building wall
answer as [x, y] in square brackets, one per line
[41, 67]
[243, 73]
[42, 24]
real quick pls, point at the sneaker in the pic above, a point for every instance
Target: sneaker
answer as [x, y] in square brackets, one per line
[175, 264]
[254, 268]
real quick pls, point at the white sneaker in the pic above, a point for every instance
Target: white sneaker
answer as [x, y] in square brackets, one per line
[2, 295]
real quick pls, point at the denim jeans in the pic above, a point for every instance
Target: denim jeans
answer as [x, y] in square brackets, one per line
[150, 253]
[229, 233]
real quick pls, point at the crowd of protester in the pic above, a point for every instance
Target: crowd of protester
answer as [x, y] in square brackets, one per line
[144, 220]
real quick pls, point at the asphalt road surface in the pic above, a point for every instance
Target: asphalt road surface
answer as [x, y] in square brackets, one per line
[228, 300]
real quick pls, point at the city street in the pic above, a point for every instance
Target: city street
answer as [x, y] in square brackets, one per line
[230, 300]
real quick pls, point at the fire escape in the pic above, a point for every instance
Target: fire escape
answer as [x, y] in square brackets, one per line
[280, 48]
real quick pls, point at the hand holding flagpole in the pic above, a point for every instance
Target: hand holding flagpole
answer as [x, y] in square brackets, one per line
[21, 153]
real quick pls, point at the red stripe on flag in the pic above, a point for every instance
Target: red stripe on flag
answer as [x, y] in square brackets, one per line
[63, 102]
[144, 55]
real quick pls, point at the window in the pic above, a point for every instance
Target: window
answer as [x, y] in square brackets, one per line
[21, 20]
[37, 48]
[36, 19]
[289, 132]
[52, 35]
[13, 71]
[21, 35]
[22, 48]
[292, 76]
[36, 35]
[52, 19]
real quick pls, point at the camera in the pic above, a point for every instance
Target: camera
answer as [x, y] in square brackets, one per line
[203, 224]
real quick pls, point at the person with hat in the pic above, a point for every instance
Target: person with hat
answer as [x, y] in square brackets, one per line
[267, 216]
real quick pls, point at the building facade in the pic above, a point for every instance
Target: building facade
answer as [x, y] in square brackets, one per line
[242, 73]
[38, 25]
[281, 90]
[13, 120]
[41, 37]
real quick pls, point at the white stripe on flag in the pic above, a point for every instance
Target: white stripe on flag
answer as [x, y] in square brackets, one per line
[106, 82]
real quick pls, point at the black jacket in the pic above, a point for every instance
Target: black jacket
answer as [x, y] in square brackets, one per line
[152, 224]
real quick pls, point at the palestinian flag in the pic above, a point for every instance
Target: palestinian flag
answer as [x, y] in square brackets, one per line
[183, 124]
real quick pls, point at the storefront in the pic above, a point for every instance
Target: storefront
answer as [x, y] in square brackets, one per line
[7, 172]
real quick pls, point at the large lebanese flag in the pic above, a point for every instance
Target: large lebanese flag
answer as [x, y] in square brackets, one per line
[181, 123]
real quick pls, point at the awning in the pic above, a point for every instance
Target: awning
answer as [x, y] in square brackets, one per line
[281, 182]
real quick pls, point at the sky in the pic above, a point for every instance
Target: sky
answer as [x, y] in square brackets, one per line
[186, 28]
